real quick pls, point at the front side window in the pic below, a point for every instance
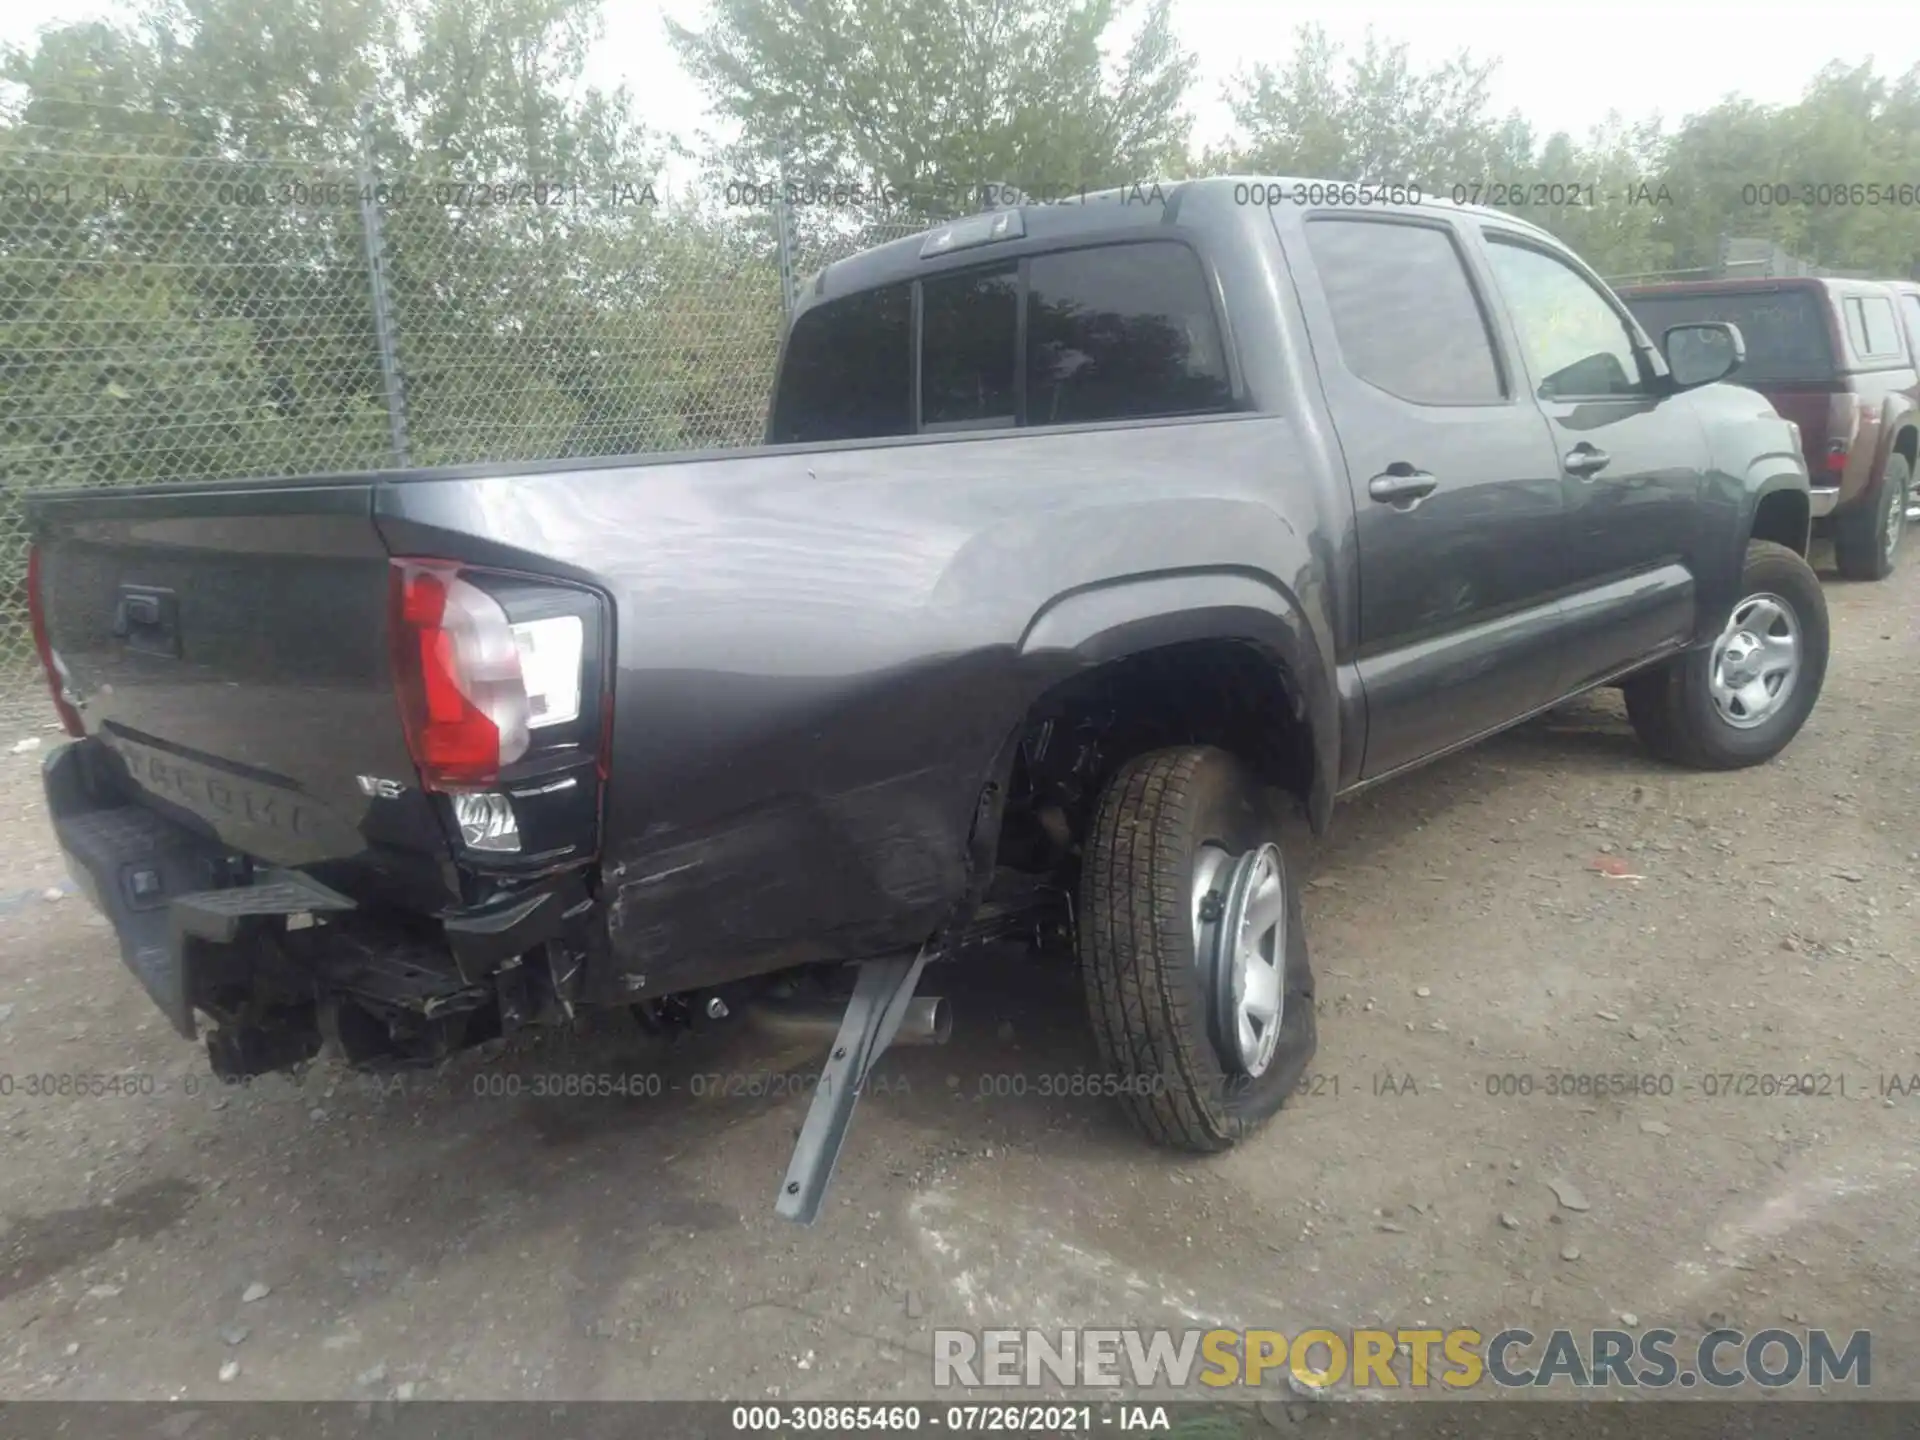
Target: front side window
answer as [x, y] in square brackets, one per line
[1579, 346]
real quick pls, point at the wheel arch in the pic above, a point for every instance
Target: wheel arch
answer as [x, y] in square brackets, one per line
[1906, 441]
[1154, 619]
[1782, 513]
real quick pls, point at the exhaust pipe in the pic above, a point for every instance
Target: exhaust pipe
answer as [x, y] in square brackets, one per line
[928, 1020]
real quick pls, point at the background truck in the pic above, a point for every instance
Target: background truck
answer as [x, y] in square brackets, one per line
[1086, 537]
[1834, 357]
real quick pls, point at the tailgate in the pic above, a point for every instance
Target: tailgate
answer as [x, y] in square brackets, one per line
[230, 646]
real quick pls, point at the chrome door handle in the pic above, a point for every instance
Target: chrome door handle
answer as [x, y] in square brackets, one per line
[1584, 460]
[1402, 484]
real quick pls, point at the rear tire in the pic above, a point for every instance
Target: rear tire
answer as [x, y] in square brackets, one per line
[1168, 829]
[1866, 540]
[1673, 706]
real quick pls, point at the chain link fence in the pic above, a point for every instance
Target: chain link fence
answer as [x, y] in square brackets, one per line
[170, 313]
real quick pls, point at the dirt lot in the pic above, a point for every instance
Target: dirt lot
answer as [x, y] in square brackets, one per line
[436, 1240]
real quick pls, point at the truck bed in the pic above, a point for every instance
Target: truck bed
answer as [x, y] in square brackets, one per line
[816, 655]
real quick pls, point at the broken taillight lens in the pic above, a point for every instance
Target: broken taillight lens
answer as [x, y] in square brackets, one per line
[50, 661]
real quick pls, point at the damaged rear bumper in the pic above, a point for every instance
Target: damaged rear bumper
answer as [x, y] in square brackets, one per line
[283, 964]
[207, 931]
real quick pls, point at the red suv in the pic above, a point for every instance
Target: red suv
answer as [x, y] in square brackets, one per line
[1837, 358]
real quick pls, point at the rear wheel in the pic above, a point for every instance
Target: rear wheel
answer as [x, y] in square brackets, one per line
[1741, 700]
[1191, 949]
[1866, 540]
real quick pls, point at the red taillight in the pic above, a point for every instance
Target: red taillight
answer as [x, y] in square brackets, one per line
[49, 662]
[457, 669]
[1836, 457]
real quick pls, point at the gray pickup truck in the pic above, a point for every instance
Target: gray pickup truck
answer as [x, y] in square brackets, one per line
[1086, 536]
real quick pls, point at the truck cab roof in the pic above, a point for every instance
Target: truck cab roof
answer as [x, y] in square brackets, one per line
[1142, 207]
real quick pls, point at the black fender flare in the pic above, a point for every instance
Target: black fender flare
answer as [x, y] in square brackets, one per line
[1907, 424]
[1720, 589]
[1758, 498]
[1096, 624]
[1896, 420]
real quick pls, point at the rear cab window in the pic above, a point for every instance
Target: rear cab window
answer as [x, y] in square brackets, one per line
[1785, 330]
[969, 326]
[1124, 330]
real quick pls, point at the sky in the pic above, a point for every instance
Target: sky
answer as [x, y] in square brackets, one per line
[1562, 65]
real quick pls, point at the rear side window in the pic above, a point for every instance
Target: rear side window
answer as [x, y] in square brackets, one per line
[1121, 332]
[1871, 327]
[1404, 311]
[848, 371]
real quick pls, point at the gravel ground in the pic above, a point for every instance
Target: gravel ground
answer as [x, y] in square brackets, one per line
[332, 1238]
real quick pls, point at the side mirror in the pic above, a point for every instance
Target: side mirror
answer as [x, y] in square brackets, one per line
[1703, 353]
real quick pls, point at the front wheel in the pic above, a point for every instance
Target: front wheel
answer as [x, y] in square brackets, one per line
[1191, 949]
[1739, 701]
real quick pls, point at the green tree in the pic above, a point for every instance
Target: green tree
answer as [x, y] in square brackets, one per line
[941, 96]
[1841, 132]
[1850, 128]
[212, 337]
[1602, 196]
[1709, 159]
[1373, 116]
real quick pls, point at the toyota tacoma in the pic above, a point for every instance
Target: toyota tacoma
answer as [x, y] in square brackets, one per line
[1085, 538]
